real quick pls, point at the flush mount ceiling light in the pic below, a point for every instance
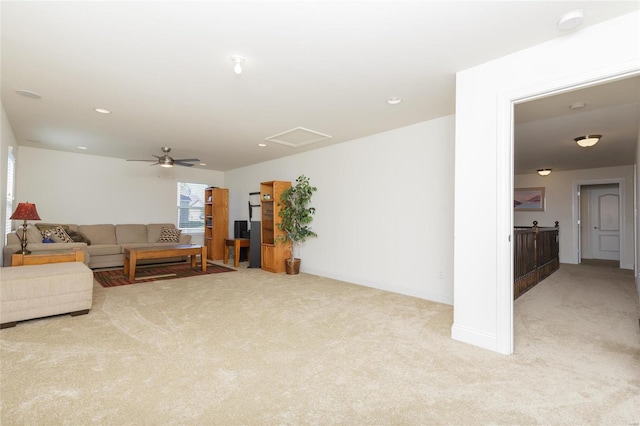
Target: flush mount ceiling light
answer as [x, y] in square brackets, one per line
[262, 145]
[82, 147]
[102, 110]
[544, 172]
[587, 140]
[28, 94]
[394, 101]
[571, 20]
[238, 61]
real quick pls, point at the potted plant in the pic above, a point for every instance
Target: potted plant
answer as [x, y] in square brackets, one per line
[296, 216]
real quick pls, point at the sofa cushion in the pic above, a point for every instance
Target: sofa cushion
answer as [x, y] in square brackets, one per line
[154, 229]
[33, 234]
[136, 245]
[99, 234]
[104, 249]
[126, 234]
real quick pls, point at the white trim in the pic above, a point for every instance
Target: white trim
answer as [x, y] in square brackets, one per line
[504, 196]
[474, 337]
[575, 210]
[635, 225]
[504, 226]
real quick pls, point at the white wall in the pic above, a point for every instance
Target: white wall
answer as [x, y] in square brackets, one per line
[7, 141]
[561, 205]
[483, 286]
[87, 189]
[384, 208]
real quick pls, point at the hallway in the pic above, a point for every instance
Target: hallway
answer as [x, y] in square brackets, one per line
[587, 314]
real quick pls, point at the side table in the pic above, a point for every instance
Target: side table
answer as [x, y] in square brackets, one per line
[236, 244]
[40, 258]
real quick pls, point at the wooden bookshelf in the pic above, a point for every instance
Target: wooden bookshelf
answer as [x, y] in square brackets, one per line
[216, 221]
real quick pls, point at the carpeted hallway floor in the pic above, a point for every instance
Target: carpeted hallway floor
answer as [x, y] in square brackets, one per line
[256, 348]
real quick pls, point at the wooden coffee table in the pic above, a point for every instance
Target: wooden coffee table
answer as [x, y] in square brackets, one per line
[133, 254]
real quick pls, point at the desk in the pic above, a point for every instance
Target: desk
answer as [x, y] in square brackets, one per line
[236, 244]
[44, 257]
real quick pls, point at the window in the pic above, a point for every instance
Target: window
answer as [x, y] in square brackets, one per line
[11, 174]
[191, 206]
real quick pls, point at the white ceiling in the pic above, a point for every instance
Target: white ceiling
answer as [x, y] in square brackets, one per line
[164, 69]
[545, 129]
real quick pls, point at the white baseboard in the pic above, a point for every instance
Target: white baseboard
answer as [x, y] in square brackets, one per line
[475, 337]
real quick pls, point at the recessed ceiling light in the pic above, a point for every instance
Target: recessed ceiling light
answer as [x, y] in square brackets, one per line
[262, 145]
[28, 94]
[102, 110]
[203, 164]
[571, 20]
[577, 105]
[238, 61]
[394, 101]
[82, 147]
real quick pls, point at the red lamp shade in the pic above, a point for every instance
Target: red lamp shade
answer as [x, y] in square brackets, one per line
[25, 211]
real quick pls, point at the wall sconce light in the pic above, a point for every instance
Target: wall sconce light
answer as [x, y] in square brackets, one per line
[544, 172]
[238, 60]
[588, 140]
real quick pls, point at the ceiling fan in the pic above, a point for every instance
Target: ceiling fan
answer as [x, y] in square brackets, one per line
[167, 161]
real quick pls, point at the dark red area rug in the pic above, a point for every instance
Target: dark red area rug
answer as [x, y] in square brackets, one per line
[116, 277]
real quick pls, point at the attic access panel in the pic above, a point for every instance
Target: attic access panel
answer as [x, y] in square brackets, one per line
[298, 137]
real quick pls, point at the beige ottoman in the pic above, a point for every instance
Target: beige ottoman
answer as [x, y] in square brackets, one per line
[35, 291]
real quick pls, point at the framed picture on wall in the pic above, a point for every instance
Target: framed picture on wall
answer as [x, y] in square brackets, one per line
[529, 199]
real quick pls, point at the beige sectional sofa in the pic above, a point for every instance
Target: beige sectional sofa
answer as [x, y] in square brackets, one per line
[104, 246]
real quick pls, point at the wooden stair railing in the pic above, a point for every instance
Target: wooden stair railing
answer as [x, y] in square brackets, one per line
[536, 256]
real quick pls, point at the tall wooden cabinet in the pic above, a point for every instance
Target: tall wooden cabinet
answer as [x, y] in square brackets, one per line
[273, 252]
[216, 221]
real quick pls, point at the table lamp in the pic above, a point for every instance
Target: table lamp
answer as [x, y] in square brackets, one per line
[25, 211]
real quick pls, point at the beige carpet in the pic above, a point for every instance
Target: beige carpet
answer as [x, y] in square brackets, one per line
[257, 348]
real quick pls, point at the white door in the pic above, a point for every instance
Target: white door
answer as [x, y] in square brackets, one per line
[605, 223]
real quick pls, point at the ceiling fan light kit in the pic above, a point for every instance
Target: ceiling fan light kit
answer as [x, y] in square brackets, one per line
[167, 161]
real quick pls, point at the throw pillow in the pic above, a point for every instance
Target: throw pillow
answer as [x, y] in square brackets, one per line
[59, 235]
[169, 235]
[78, 237]
[44, 226]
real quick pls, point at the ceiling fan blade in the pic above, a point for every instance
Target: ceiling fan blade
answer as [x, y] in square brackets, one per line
[144, 160]
[187, 160]
[180, 163]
